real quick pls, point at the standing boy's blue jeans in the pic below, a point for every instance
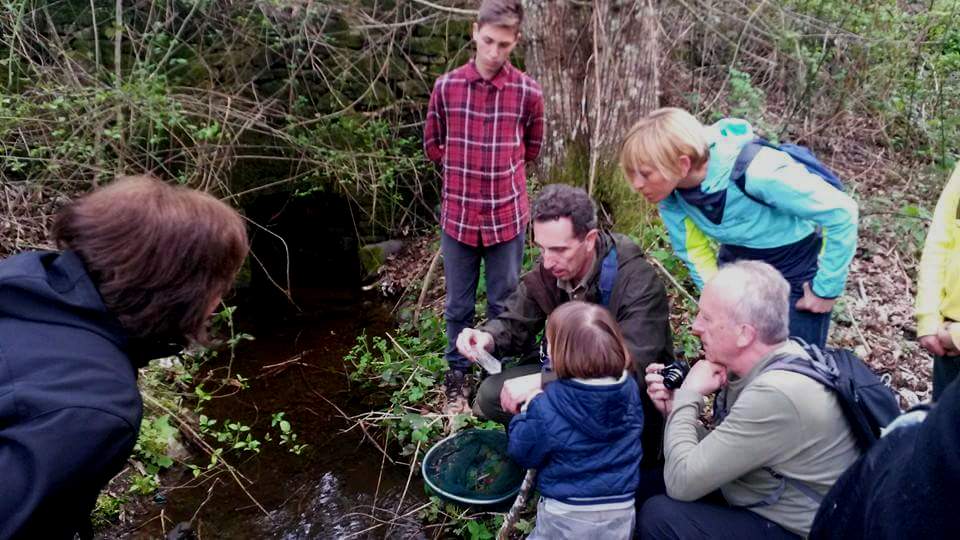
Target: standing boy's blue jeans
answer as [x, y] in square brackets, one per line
[461, 267]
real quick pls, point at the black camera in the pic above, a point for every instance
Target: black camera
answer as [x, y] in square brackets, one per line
[674, 374]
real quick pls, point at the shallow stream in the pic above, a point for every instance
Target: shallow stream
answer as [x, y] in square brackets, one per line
[332, 488]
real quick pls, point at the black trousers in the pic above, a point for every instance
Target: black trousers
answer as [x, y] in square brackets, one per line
[663, 518]
[945, 370]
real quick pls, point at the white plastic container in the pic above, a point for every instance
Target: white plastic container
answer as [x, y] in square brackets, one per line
[488, 362]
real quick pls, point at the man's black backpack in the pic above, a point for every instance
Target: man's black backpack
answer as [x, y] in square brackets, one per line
[867, 403]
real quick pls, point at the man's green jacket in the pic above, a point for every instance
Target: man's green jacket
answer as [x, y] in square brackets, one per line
[638, 302]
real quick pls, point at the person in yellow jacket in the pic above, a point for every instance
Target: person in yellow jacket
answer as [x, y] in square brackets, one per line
[938, 288]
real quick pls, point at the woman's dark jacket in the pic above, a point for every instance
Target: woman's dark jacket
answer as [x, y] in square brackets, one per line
[69, 406]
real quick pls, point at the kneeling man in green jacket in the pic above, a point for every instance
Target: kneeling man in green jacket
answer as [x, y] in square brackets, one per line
[578, 262]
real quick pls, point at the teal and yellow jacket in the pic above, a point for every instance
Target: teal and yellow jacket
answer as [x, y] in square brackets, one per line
[801, 203]
[938, 278]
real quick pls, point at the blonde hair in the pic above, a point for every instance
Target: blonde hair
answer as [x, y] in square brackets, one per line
[585, 342]
[660, 138]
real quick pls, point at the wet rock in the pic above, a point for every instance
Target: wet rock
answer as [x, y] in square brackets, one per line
[182, 531]
[372, 256]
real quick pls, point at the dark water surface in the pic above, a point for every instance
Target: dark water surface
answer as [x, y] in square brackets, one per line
[329, 491]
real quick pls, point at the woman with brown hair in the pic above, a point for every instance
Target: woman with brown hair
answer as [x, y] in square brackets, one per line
[143, 265]
[582, 433]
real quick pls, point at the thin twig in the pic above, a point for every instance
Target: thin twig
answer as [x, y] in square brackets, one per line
[360, 423]
[237, 476]
[676, 284]
[458, 11]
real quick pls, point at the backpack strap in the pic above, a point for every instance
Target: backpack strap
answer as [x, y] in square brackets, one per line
[772, 498]
[608, 275]
[739, 173]
[820, 368]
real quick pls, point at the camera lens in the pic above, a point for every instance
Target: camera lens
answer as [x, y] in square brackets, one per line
[674, 374]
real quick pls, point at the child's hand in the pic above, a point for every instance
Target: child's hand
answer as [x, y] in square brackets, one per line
[518, 390]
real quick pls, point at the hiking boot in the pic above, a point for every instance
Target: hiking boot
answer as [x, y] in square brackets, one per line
[457, 392]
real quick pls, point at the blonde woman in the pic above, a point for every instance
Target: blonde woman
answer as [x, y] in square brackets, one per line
[717, 185]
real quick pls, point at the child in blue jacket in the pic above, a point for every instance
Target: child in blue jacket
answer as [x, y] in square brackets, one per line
[582, 433]
[786, 215]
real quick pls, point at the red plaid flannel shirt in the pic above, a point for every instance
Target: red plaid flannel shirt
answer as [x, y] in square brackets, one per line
[481, 133]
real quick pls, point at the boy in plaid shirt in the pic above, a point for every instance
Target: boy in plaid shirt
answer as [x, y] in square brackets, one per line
[484, 122]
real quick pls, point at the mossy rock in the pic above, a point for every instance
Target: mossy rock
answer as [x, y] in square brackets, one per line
[330, 102]
[379, 96]
[372, 256]
[349, 39]
[454, 29]
[398, 70]
[334, 24]
[413, 88]
[460, 28]
[428, 46]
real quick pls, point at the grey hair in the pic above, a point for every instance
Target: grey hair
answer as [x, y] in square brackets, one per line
[758, 296]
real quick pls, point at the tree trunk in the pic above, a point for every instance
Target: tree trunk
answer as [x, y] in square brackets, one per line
[628, 56]
[557, 48]
[597, 65]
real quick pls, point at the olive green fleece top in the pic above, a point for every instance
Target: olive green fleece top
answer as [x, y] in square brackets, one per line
[782, 420]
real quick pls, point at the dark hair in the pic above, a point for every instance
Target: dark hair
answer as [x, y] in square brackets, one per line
[561, 200]
[585, 342]
[159, 254]
[506, 13]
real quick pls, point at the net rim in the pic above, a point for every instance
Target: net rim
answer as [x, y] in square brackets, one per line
[451, 496]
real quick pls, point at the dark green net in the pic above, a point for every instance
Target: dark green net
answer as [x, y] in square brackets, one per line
[473, 466]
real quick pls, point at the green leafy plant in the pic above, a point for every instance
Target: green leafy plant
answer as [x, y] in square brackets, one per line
[287, 437]
[107, 510]
[153, 442]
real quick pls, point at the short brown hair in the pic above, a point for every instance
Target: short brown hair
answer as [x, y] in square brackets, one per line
[159, 254]
[557, 201]
[585, 342]
[506, 13]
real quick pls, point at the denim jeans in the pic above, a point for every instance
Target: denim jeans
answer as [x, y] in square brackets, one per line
[461, 268]
[811, 327]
